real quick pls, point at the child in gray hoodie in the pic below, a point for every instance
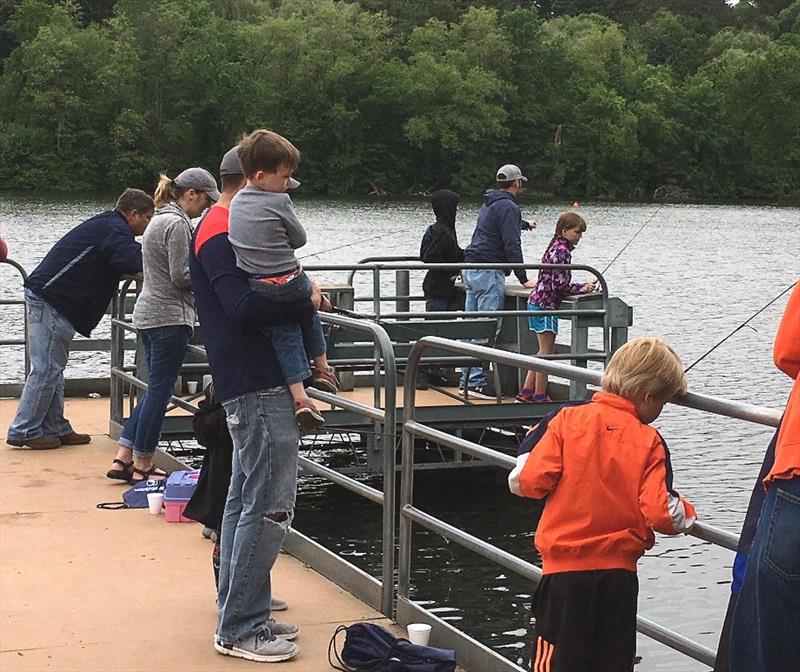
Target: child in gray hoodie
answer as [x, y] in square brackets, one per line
[264, 232]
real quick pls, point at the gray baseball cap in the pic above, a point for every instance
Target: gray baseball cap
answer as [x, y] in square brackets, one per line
[509, 173]
[230, 164]
[198, 179]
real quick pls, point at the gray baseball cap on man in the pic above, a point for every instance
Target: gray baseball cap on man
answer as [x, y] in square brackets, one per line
[509, 173]
[230, 164]
[198, 179]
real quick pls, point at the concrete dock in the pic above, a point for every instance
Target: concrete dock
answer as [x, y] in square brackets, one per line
[88, 589]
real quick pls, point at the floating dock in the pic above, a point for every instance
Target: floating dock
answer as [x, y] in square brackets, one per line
[85, 589]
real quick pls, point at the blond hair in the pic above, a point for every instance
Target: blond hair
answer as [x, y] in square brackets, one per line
[266, 150]
[645, 366]
[166, 191]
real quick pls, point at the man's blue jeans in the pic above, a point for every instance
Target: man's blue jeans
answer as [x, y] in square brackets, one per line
[164, 349]
[766, 621]
[486, 290]
[41, 405]
[259, 509]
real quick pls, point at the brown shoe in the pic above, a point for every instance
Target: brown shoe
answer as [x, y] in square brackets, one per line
[39, 443]
[307, 415]
[323, 379]
[75, 439]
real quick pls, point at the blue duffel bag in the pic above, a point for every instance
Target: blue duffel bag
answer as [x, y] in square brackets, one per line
[371, 648]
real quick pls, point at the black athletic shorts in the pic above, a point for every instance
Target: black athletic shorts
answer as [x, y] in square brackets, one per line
[585, 621]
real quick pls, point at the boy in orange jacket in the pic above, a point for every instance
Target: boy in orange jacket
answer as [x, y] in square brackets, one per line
[608, 481]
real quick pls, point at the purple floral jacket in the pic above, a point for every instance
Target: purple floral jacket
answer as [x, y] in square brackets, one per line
[553, 284]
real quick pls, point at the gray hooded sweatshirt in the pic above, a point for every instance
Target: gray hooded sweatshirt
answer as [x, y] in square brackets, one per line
[166, 298]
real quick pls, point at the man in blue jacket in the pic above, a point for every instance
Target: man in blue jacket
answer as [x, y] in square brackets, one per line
[69, 291]
[496, 240]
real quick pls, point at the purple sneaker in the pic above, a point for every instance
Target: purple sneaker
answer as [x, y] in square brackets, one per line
[525, 396]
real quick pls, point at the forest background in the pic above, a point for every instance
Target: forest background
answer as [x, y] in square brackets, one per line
[618, 99]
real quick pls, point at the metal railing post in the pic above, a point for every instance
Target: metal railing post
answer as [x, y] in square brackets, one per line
[402, 288]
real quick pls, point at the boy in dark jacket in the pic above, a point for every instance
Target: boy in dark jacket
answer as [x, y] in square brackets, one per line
[69, 291]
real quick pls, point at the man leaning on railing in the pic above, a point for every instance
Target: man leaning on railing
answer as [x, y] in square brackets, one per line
[69, 291]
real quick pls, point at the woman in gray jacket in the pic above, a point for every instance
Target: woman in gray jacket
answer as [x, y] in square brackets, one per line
[164, 314]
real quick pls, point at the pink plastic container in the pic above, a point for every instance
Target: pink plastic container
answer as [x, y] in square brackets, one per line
[177, 493]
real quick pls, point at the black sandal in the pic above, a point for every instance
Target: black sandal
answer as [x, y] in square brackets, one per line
[146, 474]
[123, 474]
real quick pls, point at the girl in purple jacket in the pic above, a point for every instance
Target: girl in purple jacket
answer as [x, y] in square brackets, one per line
[552, 285]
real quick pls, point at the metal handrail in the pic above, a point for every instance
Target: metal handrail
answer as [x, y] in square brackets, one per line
[384, 418]
[24, 340]
[410, 514]
[376, 266]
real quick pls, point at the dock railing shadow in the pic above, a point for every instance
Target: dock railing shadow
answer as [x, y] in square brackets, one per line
[476, 656]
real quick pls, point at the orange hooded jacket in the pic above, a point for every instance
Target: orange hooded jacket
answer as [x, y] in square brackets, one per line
[608, 482]
[786, 354]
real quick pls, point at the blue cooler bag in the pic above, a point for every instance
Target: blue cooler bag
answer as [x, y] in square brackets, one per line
[371, 648]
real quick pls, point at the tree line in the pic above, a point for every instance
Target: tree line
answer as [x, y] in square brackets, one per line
[694, 99]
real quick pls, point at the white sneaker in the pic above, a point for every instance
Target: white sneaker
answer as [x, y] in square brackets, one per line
[262, 647]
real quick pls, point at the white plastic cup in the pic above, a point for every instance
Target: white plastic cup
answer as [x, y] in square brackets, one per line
[155, 501]
[419, 633]
[191, 385]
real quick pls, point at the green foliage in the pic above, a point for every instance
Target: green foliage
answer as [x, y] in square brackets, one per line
[597, 98]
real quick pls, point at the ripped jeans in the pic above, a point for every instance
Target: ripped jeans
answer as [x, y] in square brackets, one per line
[259, 508]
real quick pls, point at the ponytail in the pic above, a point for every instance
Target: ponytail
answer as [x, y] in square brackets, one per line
[547, 251]
[166, 191]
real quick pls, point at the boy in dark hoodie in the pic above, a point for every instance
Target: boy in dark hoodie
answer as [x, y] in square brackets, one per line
[440, 246]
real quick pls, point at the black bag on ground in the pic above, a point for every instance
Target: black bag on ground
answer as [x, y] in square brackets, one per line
[211, 430]
[371, 648]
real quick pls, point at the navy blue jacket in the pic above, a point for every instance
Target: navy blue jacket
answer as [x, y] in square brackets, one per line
[497, 234]
[232, 316]
[79, 276]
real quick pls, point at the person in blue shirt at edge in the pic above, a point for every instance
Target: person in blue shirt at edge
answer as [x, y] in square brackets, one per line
[496, 240]
[70, 291]
[260, 416]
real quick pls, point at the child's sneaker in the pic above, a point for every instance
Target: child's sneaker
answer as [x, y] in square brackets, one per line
[525, 396]
[323, 379]
[541, 399]
[307, 415]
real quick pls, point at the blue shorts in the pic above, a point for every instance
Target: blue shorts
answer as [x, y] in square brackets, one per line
[542, 323]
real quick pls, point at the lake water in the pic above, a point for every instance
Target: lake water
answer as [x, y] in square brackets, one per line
[693, 274]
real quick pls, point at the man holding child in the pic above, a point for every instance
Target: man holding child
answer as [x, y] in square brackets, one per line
[261, 418]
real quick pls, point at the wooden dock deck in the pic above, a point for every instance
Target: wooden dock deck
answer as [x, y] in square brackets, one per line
[88, 589]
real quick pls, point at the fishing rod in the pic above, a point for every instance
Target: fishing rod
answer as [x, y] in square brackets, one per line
[625, 247]
[741, 326]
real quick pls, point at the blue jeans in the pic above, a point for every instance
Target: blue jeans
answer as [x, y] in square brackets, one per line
[486, 290]
[259, 509]
[41, 404]
[294, 343]
[164, 349]
[435, 305]
[766, 620]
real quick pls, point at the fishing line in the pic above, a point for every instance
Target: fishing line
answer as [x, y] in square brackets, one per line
[359, 242]
[625, 247]
[741, 326]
